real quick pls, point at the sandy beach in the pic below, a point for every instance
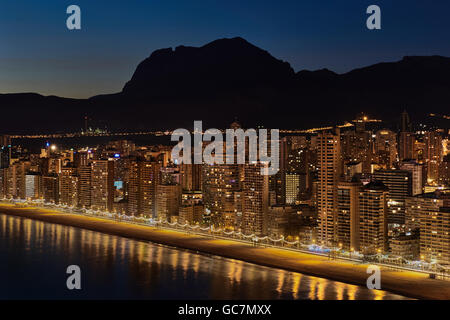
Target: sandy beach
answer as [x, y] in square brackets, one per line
[408, 283]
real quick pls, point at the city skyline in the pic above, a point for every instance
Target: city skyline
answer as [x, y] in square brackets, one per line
[359, 192]
[225, 150]
[407, 163]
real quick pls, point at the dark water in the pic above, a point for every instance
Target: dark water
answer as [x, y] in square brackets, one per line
[34, 256]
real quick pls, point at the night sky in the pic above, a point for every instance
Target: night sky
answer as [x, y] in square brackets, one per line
[39, 54]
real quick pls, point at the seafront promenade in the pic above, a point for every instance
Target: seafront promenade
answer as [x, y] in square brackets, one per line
[405, 282]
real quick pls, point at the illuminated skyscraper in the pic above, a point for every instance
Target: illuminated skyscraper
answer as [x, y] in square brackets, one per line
[85, 186]
[220, 182]
[256, 199]
[356, 146]
[33, 182]
[406, 146]
[444, 171]
[406, 139]
[386, 148]
[191, 177]
[419, 205]
[5, 151]
[143, 179]
[191, 209]
[399, 184]
[433, 154]
[418, 175]
[435, 235]
[16, 181]
[69, 186]
[102, 185]
[405, 124]
[373, 218]
[348, 214]
[329, 164]
[298, 179]
[292, 188]
[50, 188]
[168, 200]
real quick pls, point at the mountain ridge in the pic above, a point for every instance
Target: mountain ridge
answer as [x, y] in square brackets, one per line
[231, 77]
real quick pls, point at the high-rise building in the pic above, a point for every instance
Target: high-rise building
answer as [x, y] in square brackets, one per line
[16, 181]
[33, 182]
[123, 148]
[277, 182]
[405, 125]
[435, 235]
[278, 220]
[54, 165]
[386, 148]
[85, 186]
[102, 185]
[168, 200]
[419, 150]
[295, 158]
[81, 158]
[405, 245]
[373, 213]
[351, 169]
[191, 209]
[329, 164]
[356, 146]
[191, 213]
[3, 183]
[134, 189]
[170, 175]
[292, 188]
[50, 188]
[69, 187]
[444, 171]
[298, 167]
[418, 175]
[191, 177]
[419, 205]
[406, 138]
[5, 151]
[348, 214]
[406, 145]
[399, 183]
[220, 183]
[256, 199]
[143, 178]
[433, 154]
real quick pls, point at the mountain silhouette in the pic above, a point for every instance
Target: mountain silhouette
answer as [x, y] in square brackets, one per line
[219, 67]
[230, 78]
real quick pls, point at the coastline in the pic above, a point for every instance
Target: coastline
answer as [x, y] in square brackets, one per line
[407, 283]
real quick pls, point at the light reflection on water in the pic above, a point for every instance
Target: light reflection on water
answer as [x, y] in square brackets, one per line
[34, 256]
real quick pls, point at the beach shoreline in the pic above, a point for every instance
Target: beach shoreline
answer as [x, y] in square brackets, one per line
[407, 283]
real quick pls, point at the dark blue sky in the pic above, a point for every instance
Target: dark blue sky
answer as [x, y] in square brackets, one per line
[39, 54]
